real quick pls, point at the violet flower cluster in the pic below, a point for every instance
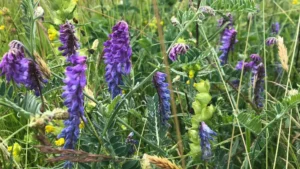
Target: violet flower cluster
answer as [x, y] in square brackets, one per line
[271, 41]
[178, 49]
[132, 143]
[163, 96]
[228, 40]
[117, 54]
[206, 134]
[223, 20]
[275, 28]
[15, 66]
[75, 82]
[258, 74]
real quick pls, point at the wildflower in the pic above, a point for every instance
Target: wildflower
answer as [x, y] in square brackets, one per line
[228, 40]
[206, 134]
[52, 33]
[16, 151]
[60, 142]
[75, 82]
[247, 65]
[69, 41]
[22, 70]
[178, 49]
[271, 41]
[208, 10]
[188, 82]
[163, 95]
[49, 129]
[117, 54]
[132, 143]
[258, 74]
[275, 28]
[2, 27]
[191, 74]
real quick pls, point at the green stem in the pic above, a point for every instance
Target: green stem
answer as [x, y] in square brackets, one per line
[140, 136]
[112, 117]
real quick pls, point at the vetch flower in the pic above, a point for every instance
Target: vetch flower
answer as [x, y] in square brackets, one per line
[206, 134]
[69, 41]
[275, 28]
[75, 82]
[208, 10]
[163, 95]
[258, 75]
[228, 40]
[22, 70]
[117, 54]
[178, 49]
[271, 41]
[247, 65]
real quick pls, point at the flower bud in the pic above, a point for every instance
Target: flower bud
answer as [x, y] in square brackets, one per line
[202, 86]
[203, 98]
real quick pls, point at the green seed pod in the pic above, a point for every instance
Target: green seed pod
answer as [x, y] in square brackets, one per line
[203, 98]
[193, 136]
[195, 122]
[202, 86]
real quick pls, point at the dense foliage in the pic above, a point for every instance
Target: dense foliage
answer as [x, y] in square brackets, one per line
[149, 84]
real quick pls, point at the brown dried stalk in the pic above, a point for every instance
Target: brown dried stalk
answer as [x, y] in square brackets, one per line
[159, 162]
[282, 52]
[74, 155]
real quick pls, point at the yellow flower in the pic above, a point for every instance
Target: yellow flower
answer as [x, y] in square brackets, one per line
[9, 148]
[81, 125]
[60, 142]
[49, 129]
[52, 33]
[75, 1]
[295, 2]
[2, 27]
[188, 82]
[191, 74]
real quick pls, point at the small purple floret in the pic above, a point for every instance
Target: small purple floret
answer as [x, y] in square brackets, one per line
[228, 40]
[206, 134]
[178, 49]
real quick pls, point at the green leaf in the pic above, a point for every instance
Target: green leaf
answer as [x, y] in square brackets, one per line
[250, 121]
[133, 164]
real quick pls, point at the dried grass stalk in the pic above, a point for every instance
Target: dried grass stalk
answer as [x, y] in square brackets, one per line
[282, 52]
[43, 65]
[159, 162]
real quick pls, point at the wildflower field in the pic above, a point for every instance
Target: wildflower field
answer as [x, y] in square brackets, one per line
[142, 84]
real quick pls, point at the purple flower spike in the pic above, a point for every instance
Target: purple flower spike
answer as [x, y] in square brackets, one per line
[271, 41]
[21, 70]
[73, 95]
[228, 40]
[178, 49]
[275, 28]
[117, 54]
[255, 58]
[258, 75]
[163, 95]
[75, 82]
[206, 134]
[69, 41]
